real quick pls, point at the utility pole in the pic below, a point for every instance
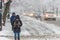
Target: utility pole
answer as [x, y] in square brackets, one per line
[6, 10]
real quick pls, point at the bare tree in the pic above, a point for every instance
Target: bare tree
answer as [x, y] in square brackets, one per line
[6, 10]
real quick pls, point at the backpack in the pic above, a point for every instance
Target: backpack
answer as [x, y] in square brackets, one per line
[17, 23]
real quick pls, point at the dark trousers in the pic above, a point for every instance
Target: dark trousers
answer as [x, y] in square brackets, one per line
[17, 35]
[12, 26]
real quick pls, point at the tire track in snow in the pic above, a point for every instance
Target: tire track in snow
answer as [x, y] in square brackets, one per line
[31, 29]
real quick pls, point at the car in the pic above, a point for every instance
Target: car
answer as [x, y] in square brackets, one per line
[49, 15]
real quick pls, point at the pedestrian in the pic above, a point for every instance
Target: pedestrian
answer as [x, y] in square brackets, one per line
[12, 19]
[17, 23]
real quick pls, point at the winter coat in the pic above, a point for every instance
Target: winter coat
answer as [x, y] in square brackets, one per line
[12, 19]
[17, 27]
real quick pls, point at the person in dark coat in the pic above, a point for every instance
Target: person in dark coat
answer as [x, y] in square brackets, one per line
[17, 27]
[12, 19]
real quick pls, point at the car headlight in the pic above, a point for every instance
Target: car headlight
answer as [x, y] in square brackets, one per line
[46, 15]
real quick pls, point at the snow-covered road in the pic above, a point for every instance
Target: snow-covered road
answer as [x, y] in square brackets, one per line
[31, 27]
[36, 27]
